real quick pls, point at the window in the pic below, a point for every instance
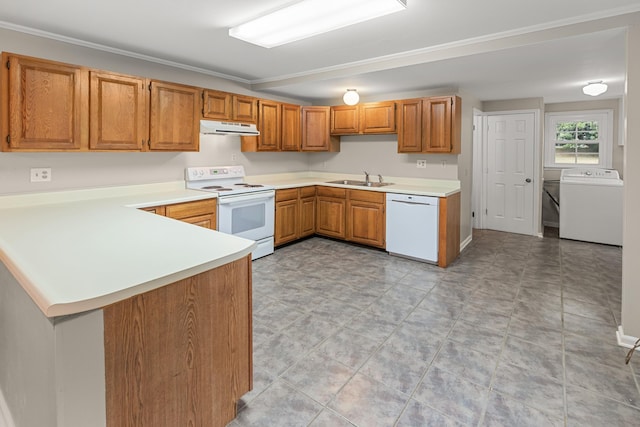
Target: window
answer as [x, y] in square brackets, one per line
[579, 138]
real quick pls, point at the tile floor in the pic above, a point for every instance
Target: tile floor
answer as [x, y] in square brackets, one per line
[519, 331]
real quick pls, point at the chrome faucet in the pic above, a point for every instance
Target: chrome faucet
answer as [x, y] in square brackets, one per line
[380, 180]
[366, 177]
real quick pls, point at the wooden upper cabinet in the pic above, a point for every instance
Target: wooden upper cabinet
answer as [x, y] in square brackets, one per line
[441, 124]
[437, 124]
[429, 125]
[369, 118]
[378, 117]
[269, 125]
[345, 120]
[245, 109]
[410, 126]
[44, 106]
[217, 105]
[174, 117]
[315, 130]
[118, 112]
[220, 105]
[291, 132]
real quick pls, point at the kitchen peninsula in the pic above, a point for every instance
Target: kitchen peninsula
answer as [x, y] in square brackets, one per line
[114, 316]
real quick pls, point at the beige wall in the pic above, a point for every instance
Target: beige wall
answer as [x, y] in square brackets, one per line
[631, 236]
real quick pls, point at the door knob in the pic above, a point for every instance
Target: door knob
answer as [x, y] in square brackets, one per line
[528, 180]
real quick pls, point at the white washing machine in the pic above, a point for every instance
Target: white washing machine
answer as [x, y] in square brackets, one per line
[591, 205]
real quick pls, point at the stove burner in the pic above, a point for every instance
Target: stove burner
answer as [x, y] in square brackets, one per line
[224, 189]
[212, 187]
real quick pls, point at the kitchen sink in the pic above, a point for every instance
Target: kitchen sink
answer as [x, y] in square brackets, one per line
[359, 183]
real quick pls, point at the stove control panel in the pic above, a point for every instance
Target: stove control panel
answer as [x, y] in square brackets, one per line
[214, 172]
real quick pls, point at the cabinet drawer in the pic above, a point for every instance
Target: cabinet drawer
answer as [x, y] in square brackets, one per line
[288, 194]
[307, 192]
[191, 209]
[332, 192]
[367, 196]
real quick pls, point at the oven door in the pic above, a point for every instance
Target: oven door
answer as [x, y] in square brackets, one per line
[247, 215]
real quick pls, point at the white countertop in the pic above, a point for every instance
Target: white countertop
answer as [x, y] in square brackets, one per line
[417, 186]
[76, 251]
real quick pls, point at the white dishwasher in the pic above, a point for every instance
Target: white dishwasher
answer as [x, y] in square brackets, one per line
[412, 226]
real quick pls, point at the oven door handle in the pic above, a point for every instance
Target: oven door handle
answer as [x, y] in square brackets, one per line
[249, 197]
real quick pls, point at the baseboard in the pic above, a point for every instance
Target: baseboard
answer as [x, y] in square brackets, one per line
[465, 243]
[5, 416]
[625, 340]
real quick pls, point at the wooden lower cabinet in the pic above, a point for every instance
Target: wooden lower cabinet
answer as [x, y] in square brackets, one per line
[286, 217]
[366, 218]
[331, 212]
[353, 215]
[200, 212]
[307, 212]
[449, 230]
[357, 216]
[182, 354]
[295, 214]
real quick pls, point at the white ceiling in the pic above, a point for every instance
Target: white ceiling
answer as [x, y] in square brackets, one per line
[493, 49]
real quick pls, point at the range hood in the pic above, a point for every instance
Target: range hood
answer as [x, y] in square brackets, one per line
[210, 127]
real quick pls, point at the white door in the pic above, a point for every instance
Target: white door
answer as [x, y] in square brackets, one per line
[510, 173]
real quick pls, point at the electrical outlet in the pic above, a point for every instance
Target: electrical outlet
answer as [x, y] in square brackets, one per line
[40, 174]
[421, 164]
[444, 163]
[234, 157]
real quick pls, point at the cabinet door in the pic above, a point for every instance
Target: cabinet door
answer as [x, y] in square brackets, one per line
[378, 117]
[117, 112]
[217, 105]
[410, 126]
[201, 212]
[436, 120]
[345, 120]
[47, 105]
[175, 117]
[286, 222]
[307, 220]
[365, 223]
[291, 131]
[245, 109]
[269, 125]
[315, 130]
[331, 217]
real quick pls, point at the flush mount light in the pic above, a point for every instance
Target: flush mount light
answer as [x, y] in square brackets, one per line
[311, 17]
[595, 88]
[351, 97]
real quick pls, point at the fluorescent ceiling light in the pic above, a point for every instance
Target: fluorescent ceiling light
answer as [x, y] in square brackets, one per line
[311, 17]
[595, 88]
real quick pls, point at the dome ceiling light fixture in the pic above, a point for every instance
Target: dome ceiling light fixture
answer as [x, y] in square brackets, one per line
[309, 18]
[351, 97]
[595, 88]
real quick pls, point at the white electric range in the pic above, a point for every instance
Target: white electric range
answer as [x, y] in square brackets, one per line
[244, 209]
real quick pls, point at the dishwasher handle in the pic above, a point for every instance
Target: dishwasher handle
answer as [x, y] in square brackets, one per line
[411, 203]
